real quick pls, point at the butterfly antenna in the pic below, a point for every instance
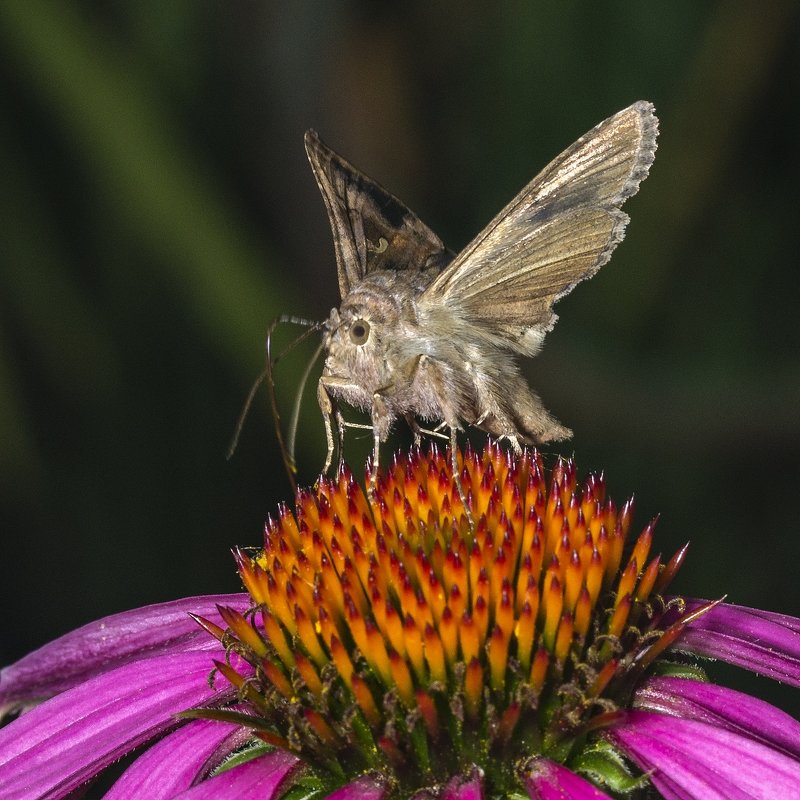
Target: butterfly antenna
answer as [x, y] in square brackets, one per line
[287, 453]
[293, 422]
[237, 432]
[267, 375]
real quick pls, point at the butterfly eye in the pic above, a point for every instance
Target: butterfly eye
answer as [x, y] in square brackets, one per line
[359, 331]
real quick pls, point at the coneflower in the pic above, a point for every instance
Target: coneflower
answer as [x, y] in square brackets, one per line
[386, 647]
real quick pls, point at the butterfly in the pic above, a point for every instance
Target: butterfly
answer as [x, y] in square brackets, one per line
[423, 334]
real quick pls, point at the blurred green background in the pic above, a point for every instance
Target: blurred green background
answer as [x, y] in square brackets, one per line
[157, 211]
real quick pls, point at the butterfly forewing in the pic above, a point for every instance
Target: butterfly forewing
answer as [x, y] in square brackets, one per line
[372, 229]
[559, 230]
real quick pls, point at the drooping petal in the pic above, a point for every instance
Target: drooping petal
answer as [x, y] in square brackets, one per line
[548, 780]
[690, 760]
[370, 787]
[464, 787]
[108, 643]
[178, 760]
[65, 741]
[261, 778]
[722, 707]
[761, 641]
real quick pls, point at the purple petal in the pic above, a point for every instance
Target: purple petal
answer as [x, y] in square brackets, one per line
[548, 780]
[761, 641]
[694, 760]
[258, 779]
[178, 761]
[370, 787]
[464, 787]
[717, 705]
[65, 741]
[108, 643]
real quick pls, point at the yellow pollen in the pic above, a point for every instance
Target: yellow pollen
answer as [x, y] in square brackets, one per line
[307, 636]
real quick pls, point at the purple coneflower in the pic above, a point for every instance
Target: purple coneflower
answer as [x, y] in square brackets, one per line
[385, 648]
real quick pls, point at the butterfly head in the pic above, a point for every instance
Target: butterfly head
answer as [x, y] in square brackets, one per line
[356, 341]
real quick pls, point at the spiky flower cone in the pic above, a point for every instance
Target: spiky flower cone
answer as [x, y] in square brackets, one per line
[388, 635]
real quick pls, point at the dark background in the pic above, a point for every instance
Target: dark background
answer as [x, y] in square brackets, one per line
[157, 210]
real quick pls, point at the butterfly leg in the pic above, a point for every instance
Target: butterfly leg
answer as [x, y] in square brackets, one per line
[373, 472]
[340, 426]
[418, 430]
[382, 418]
[415, 429]
[326, 388]
[326, 407]
[382, 412]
